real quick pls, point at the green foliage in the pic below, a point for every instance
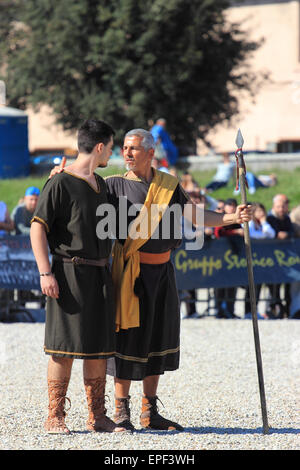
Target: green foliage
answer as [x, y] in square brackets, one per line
[127, 62]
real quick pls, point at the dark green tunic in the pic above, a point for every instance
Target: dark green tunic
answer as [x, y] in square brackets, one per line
[81, 322]
[154, 347]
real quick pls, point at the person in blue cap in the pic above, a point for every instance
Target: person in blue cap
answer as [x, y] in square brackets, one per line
[22, 213]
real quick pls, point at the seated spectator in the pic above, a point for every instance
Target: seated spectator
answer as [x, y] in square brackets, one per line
[259, 228]
[220, 205]
[173, 171]
[295, 286]
[225, 297]
[260, 181]
[6, 223]
[295, 218]
[210, 203]
[268, 180]
[23, 213]
[279, 217]
[280, 220]
[230, 206]
[194, 191]
[158, 164]
[188, 183]
[223, 175]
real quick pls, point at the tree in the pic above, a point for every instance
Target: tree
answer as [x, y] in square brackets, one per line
[128, 61]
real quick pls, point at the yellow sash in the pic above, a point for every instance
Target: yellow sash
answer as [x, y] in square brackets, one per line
[160, 192]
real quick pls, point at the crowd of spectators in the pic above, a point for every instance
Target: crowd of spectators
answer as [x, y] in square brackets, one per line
[15, 224]
[18, 222]
[279, 222]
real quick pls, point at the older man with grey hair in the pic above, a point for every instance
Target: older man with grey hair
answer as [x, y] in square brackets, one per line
[147, 306]
[149, 347]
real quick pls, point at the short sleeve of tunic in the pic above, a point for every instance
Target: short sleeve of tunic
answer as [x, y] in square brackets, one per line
[68, 207]
[48, 204]
[180, 196]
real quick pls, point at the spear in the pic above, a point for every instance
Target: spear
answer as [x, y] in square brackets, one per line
[241, 178]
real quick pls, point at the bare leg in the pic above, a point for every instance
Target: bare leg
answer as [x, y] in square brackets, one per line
[59, 368]
[94, 368]
[150, 385]
[122, 387]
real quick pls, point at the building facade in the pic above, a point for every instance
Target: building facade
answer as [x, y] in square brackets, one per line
[272, 122]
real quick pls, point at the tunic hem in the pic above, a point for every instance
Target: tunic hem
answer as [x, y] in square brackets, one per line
[151, 354]
[80, 355]
[131, 370]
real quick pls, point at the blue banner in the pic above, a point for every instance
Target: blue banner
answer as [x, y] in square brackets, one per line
[18, 269]
[220, 263]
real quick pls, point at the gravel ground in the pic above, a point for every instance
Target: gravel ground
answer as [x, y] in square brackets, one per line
[214, 394]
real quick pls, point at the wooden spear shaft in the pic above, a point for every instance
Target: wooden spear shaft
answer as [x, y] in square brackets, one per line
[242, 181]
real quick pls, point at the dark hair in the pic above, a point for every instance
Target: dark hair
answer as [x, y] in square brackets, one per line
[257, 205]
[230, 202]
[91, 132]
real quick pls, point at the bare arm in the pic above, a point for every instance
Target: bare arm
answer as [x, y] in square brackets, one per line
[215, 219]
[8, 224]
[195, 214]
[39, 245]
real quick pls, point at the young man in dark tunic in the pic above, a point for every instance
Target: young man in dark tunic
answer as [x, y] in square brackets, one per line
[148, 329]
[80, 316]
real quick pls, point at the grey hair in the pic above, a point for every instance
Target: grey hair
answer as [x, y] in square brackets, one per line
[147, 138]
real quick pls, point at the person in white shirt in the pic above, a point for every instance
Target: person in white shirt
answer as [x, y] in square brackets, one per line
[223, 175]
[259, 228]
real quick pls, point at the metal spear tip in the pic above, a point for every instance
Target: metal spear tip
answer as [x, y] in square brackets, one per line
[239, 139]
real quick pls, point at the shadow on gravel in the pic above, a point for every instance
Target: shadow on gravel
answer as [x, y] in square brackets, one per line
[210, 430]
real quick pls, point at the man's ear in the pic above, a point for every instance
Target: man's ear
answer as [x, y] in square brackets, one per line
[151, 153]
[99, 147]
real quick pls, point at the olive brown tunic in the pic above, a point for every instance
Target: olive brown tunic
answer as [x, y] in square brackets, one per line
[154, 346]
[80, 323]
